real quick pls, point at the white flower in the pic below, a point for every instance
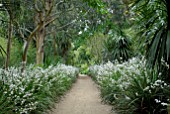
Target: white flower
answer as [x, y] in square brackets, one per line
[160, 74]
[110, 32]
[157, 101]
[85, 29]
[165, 84]
[80, 32]
[146, 88]
[136, 94]
[126, 97]
[115, 96]
[164, 104]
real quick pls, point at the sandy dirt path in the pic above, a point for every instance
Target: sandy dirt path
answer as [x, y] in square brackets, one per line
[83, 98]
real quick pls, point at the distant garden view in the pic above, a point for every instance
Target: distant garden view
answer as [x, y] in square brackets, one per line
[122, 45]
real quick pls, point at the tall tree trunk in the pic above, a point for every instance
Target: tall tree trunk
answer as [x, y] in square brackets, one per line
[26, 46]
[41, 17]
[40, 38]
[40, 47]
[54, 44]
[10, 30]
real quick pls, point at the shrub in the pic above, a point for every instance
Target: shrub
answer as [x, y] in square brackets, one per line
[144, 96]
[130, 87]
[118, 48]
[36, 91]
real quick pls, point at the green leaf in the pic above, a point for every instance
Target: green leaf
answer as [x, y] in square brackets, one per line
[168, 45]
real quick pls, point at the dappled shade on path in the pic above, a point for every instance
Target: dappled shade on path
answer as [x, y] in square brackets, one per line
[83, 98]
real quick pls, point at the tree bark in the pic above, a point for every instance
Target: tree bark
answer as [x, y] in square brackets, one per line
[40, 47]
[24, 56]
[10, 30]
[40, 36]
[54, 44]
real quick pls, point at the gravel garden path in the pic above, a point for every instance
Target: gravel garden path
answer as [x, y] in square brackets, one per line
[83, 98]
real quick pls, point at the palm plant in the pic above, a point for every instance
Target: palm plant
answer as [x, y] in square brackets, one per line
[119, 48]
[153, 19]
[122, 49]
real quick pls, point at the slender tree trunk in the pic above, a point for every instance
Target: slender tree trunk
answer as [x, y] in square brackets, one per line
[40, 47]
[10, 30]
[24, 56]
[26, 46]
[54, 44]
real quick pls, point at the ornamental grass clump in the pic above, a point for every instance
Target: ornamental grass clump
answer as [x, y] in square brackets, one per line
[132, 88]
[144, 96]
[36, 91]
[113, 78]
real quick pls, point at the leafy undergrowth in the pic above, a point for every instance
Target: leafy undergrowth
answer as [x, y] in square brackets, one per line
[36, 91]
[131, 88]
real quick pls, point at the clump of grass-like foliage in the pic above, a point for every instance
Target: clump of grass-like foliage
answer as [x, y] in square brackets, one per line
[131, 87]
[36, 91]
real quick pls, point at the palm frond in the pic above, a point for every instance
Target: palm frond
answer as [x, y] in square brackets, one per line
[152, 20]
